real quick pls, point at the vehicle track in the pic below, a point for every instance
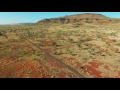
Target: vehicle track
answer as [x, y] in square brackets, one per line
[63, 64]
[50, 56]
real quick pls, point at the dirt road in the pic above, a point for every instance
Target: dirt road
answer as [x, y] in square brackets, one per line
[63, 64]
[50, 56]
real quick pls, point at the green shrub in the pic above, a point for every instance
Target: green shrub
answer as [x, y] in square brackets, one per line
[118, 44]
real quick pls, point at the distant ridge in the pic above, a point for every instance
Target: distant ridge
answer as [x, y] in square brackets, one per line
[87, 18]
[25, 23]
[17, 24]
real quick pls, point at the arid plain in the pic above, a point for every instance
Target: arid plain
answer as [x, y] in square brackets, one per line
[78, 46]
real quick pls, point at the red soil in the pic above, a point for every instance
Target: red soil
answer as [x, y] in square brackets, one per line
[62, 75]
[35, 74]
[95, 64]
[49, 50]
[107, 67]
[71, 61]
[92, 68]
[47, 43]
[92, 71]
[24, 74]
[45, 76]
[53, 63]
[118, 73]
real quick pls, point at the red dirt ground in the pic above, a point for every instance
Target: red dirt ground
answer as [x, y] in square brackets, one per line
[31, 69]
[71, 62]
[92, 68]
[49, 50]
[47, 43]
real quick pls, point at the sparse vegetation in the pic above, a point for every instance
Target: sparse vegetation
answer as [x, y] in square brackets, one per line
[92, 49]
[118, 44]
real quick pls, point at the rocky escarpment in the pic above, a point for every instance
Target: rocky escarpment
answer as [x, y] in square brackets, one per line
[87, 18]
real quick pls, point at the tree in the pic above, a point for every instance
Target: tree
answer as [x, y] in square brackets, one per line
[70, 40]
[1, 34]
[79, 44]
[54, 44]
[55, 51]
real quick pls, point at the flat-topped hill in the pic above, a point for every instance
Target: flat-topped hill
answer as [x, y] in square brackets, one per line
[87, 18]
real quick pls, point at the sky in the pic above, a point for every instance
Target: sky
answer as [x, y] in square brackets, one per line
[32, 17]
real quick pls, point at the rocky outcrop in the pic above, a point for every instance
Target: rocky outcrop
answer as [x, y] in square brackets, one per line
[87, 18]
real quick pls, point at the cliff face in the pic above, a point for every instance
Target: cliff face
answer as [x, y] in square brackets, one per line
[87, 18]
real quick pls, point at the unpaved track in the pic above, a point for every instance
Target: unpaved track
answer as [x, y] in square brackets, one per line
[63, 64]
[35, 47]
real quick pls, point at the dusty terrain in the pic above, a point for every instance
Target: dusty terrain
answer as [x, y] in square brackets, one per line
[54, 50]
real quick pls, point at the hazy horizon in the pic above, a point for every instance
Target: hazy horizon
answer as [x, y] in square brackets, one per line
[33, 17]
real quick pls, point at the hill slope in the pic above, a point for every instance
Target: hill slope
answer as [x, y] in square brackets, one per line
[87, 18]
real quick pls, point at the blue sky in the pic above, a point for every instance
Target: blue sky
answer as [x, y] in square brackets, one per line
[20, 17]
